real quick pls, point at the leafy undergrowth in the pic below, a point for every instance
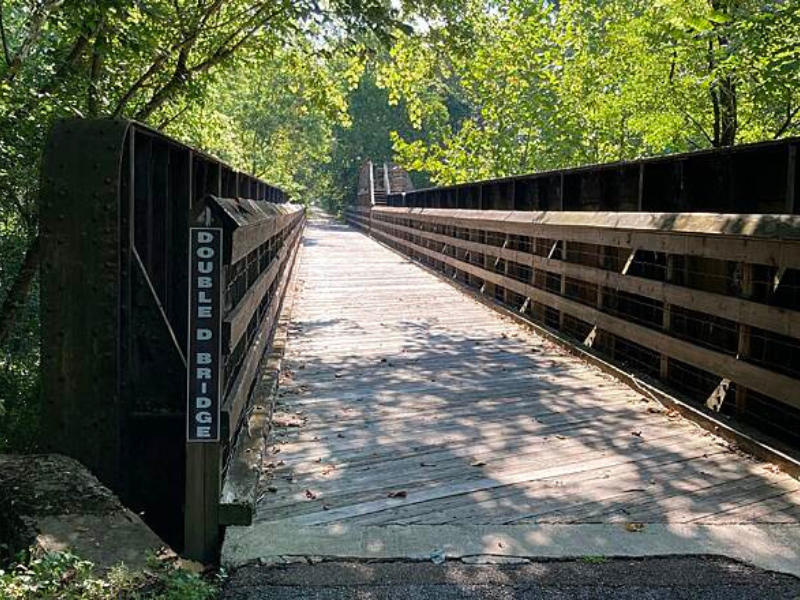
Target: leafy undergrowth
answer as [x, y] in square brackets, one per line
[64, 576]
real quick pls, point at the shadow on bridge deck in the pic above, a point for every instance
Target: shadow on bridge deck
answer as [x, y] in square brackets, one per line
[418, 421]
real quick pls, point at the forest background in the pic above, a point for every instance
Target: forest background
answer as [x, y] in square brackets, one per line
[302, 92]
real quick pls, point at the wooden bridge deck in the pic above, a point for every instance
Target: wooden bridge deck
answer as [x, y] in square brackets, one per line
[404, 401]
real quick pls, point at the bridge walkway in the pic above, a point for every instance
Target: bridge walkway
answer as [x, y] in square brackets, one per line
[405, 402]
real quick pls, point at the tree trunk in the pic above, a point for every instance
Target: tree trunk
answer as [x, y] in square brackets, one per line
[726, 122]
[18, 294]
[723, 87]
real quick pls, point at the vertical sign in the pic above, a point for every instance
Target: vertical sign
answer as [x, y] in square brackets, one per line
[204, 352]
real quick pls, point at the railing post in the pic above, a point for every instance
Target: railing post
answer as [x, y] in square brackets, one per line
[666, 318]
[371, 184]
[563, 289]
[201, 515]
[743, 345]
[204, 392]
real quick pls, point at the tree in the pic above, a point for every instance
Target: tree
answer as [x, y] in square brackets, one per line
[551, 85]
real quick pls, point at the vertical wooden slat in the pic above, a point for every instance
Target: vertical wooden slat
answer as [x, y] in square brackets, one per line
[640, 201]
[601, 339]
[743, 347]
[666, 318]
[563, 289]
[371, 184]
[506, 292]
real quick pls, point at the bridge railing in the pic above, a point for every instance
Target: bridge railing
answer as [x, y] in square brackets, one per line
[707, 303]
[259, 245]
[122, 300]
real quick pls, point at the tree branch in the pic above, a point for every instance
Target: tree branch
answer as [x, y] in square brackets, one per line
[179, 77]
[167, 122]
[183, 74]
[57, 78]
[713, 91]
[34, 30]
[787, 123]
[72, 58]
[92, 101]
[6, 53]
[18, 294]
[697, 124]
[138, 84]
[222, 52]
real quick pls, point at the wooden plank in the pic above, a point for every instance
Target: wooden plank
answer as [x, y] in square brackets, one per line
[248, 236]
[781, 226]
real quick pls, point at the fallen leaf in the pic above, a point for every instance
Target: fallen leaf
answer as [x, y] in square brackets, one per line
[634, 527]
[284, 420]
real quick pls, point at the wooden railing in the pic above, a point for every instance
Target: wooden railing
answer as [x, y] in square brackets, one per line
[260, 242]
[119, 202]
[707, 303]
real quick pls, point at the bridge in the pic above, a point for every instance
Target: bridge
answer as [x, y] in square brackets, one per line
[559, 364]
